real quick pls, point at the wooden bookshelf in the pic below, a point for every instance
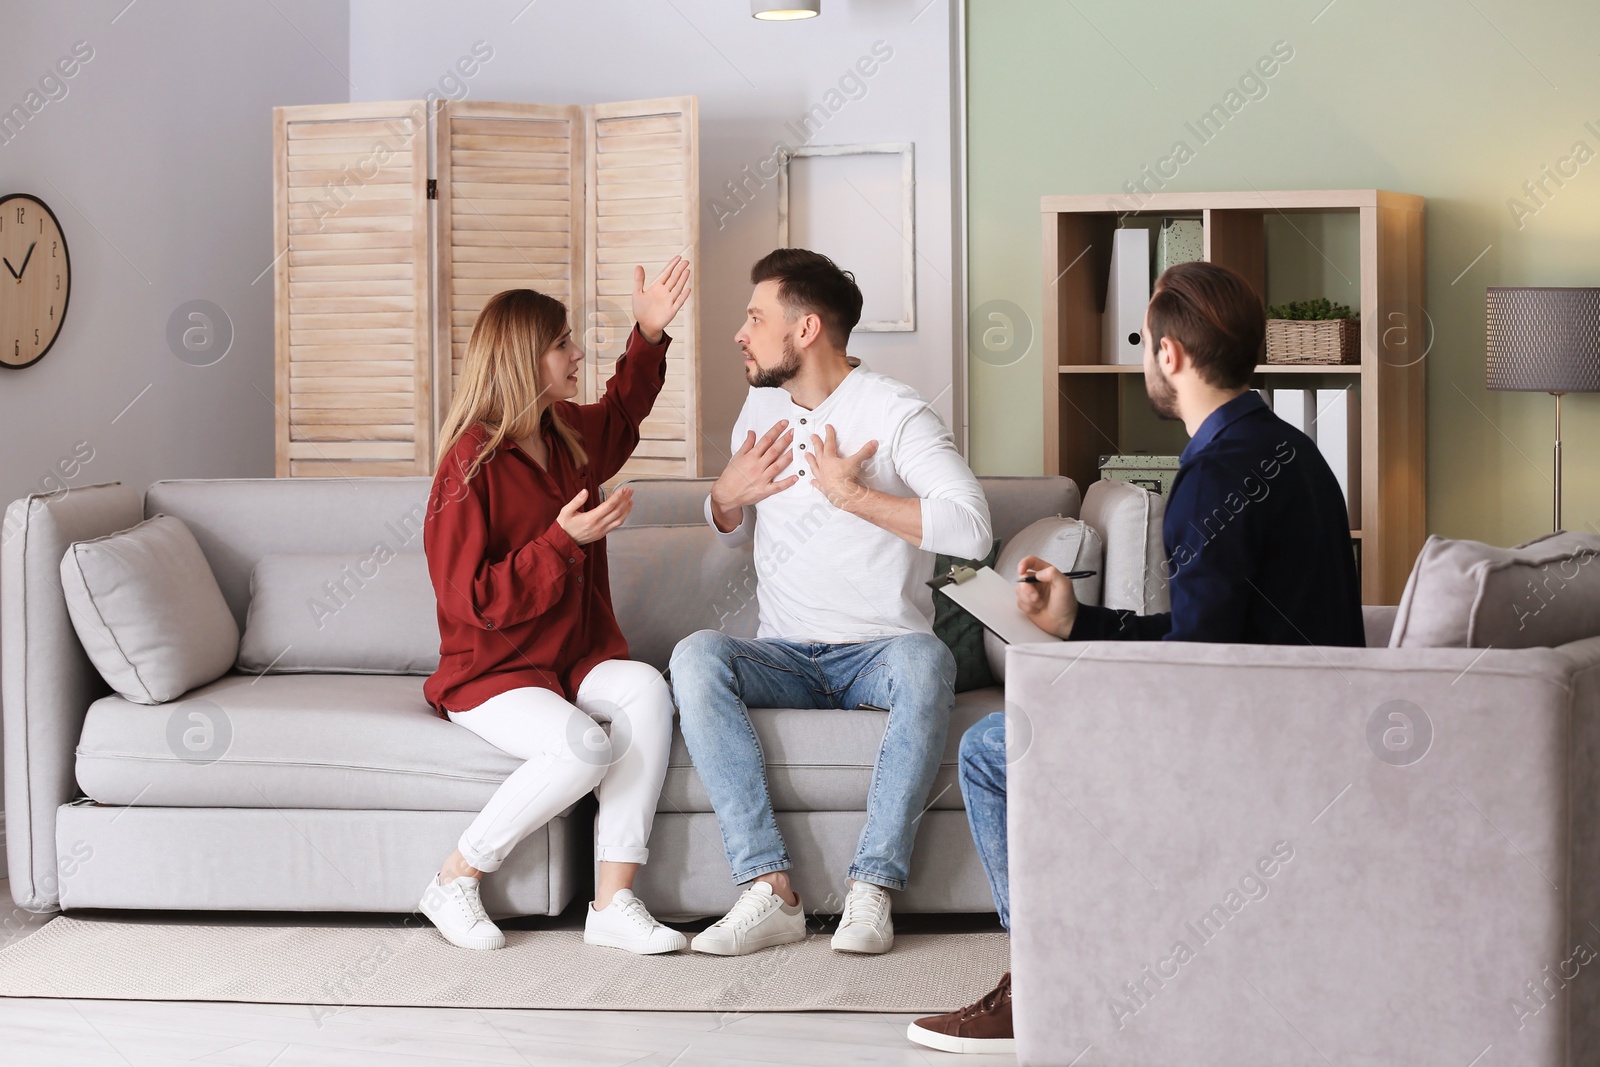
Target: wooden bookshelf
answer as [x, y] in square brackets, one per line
[1083, 416]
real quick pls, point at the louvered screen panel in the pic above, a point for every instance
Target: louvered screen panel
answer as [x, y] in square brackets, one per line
[510, 215]
[352, 321]
[643, 192]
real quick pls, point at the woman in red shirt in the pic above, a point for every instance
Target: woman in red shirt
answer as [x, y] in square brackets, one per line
[530, 655]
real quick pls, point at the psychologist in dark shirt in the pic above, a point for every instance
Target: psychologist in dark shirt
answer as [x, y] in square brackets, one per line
[1258, 546]
[1256, 531]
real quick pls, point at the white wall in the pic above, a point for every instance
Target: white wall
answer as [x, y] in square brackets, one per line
[752, 79]
[158, 163]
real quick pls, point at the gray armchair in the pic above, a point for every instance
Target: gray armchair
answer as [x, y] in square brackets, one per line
[1230, 854]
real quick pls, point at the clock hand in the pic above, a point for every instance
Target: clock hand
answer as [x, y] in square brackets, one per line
[13, 270]
[23, 269]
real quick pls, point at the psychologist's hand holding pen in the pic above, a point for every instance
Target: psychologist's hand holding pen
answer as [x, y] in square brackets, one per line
[1046, 597]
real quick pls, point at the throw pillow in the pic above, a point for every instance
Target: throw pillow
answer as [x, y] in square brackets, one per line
[1464, 594]
[959, 628]
[330, 613]
[148, 610]
[1067, 545]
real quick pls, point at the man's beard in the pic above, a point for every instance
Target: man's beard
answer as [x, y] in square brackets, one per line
[761, 377]
[1161, 394]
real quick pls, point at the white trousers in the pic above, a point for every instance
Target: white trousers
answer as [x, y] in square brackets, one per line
[568, 753]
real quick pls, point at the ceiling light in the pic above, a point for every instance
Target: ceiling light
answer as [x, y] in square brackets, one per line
[785, 10]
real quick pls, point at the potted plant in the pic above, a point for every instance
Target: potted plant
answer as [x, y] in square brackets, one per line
[1312, 332]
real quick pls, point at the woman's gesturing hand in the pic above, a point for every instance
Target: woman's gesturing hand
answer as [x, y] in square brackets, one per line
[586, 527]
[654, 307]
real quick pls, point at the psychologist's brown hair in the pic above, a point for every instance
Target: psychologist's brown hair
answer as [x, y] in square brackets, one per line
[1216, 315]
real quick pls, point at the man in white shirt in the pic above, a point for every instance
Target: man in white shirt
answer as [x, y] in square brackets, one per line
[849, 483]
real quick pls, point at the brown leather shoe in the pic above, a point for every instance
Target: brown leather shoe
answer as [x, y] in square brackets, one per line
[984, 1026]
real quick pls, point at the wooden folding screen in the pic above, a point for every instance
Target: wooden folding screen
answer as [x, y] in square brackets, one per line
[644, 179]
[562, 199]
[510, 190]
[353, 386]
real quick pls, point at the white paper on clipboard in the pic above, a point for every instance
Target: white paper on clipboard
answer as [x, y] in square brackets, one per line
[993, 601]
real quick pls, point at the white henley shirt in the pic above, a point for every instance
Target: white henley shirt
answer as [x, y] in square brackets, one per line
[827, 576]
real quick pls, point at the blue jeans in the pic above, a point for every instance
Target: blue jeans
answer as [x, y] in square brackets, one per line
[717, 678]
[983, 787]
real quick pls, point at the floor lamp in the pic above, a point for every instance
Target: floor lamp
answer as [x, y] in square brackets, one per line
[1545, 340]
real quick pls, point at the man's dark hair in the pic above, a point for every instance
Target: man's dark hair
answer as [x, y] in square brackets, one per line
[810, 283]
[1217, 317]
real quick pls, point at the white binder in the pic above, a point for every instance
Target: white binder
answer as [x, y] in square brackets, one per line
[1127, 294]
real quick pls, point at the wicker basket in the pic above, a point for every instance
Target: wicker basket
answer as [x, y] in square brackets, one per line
[1325, 341]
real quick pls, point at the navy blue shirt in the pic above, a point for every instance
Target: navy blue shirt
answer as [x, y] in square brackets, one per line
[1257, 539]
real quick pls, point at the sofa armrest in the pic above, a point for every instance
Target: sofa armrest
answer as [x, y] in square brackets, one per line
[1379, 623]
[1348, 849]
[1128, 519]
[46, 680]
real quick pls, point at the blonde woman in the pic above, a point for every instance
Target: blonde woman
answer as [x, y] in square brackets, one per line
[530, 656]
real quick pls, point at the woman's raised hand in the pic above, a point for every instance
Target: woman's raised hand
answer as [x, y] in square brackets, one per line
[654, 307]
[586, 527]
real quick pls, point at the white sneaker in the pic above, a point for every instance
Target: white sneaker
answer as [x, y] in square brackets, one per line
[760, 919]
[865, 925]
[458, 913]
[627, 924]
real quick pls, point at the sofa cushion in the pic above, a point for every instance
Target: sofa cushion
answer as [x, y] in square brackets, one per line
[1465, 594]
[148, 610]
[1129, 520]
[333, 613]
[669, 581]
[288, 741]
[1014, 500]
[239, 520]
[1067, 545]
[667, 501]
[822, 759]
[670, 576]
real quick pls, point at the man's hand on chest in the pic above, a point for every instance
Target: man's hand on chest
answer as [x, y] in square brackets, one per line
[841, 478]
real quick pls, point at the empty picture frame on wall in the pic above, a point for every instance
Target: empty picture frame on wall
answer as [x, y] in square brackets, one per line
[856, 205]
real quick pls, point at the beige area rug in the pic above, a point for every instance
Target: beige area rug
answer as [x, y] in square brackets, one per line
[335, 967]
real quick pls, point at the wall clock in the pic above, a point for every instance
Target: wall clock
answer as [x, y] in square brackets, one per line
[36, 282]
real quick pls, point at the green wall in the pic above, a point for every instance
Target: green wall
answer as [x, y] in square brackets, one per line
[1458, 102]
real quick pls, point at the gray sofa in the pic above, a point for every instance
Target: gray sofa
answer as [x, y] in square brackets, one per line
[342, 792]
[1423, 899]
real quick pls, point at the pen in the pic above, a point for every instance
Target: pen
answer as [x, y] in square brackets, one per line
[1068, 574]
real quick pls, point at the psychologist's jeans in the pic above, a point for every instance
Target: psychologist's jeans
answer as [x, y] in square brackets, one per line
[717, 678]
[983, 787]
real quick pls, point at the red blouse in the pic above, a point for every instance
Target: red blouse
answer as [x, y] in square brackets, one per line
[520, 602]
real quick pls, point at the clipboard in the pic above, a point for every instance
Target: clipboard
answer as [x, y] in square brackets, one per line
[993, 602]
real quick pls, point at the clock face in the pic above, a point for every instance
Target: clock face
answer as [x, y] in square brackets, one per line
[36, 281]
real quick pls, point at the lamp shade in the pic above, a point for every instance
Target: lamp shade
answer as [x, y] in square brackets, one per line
[1544, 340]
[785, 10]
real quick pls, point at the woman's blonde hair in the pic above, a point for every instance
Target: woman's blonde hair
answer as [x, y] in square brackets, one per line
[502, 378]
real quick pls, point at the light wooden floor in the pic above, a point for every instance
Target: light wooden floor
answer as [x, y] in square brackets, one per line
[91, 1033]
